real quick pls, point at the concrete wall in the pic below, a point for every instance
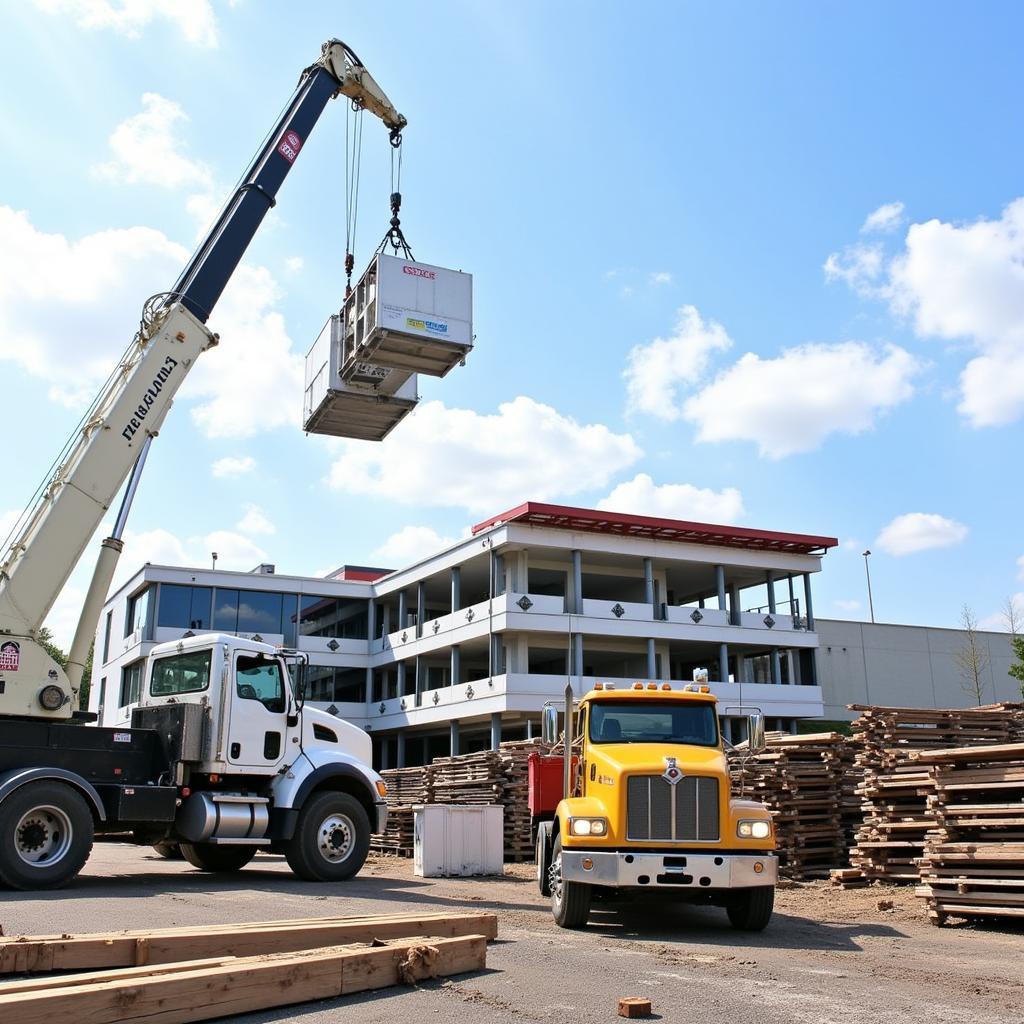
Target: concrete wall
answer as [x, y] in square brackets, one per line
[904, 666]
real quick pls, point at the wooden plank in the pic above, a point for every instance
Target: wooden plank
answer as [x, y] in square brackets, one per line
[247, 985]
[88, 977]
[93, 952]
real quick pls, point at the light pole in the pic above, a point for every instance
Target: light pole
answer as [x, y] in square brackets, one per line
[213, 555]
[867, 572]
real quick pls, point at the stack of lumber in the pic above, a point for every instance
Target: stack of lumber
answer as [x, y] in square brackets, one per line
[895, 787]
[973, 862]
[406, 788]
[178, 975]
[799, 779]
[515, 756]
[469, 778]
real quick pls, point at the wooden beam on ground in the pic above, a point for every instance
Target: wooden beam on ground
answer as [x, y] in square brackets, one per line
[248, 984]
[29, 954]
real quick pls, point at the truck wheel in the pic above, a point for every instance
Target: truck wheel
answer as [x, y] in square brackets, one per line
[752, 909]
[570, 901]
[216, 858]
[168, 850]
[46, 832]
[332, 838]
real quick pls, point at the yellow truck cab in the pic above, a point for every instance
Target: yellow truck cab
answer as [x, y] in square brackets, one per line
[649, 807]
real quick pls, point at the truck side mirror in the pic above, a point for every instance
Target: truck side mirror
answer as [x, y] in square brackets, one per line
[755, 733]
[549, 724]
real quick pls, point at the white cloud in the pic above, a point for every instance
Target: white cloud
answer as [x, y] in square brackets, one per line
[920, 531]
[661, 277]
[887, 217]
[234, 551]
[194, 19]
[998, 622]
[851, 605]
[654, 371]
[252, 381]
[146, 150]
[793, 402]
[410, 544]
[483, 463]
[294, 264]
[858, 266]
[642, 496]
[231, 467]
[255, 520]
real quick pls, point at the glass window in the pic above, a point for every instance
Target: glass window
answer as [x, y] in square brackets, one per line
[180, 673]
[350, 685]
[344, 618]
[106, 638]
[103, 698]
[259, 612]
[643, 721]
[131, 683]
[260, 679]
[137, 607]
[225, 611]
[184, 607]
[319, 683]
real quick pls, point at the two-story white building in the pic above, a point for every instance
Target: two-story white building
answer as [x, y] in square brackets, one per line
[463, 648]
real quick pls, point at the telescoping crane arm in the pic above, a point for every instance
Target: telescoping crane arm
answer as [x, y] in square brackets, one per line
[49, 540]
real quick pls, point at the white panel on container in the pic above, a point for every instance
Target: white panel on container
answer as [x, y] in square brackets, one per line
[458, 840]
[408, 316]
[369, 406]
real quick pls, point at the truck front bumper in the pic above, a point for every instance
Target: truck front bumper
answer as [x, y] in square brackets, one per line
[381, 808]
[682, 871]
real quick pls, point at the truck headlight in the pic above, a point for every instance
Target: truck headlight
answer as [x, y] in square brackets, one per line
[753, 828]
[588, 826]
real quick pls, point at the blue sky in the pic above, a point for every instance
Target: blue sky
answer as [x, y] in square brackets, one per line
[750, 263]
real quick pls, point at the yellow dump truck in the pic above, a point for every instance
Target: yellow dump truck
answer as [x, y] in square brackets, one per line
[644, 803]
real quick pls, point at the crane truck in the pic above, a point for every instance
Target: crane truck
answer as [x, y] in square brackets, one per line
[222, 758]
[640, 801]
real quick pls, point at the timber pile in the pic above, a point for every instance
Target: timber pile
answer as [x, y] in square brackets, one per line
[406, 787]
[179, 975]
[895, 788]
[973, 862]
[515, 756]
[799, 779]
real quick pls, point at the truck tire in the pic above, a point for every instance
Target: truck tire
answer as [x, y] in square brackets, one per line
[752, 909]
[217, 858]
[570, 901]
[46, 833]
[332, 838]
[168, 850]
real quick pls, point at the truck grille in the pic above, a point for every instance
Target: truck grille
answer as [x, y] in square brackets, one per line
[685, 812]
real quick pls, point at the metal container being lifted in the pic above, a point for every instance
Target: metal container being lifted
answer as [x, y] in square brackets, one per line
[368, 406]
[408, 316]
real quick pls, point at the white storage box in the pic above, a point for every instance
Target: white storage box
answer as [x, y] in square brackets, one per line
[368, 407]
[408, 316]
[458, 839]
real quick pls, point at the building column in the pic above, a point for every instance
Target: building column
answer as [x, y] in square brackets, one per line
[371, 620]
[369, 688]
[419, 680]
[400, 757]
[649, 586]
[723, 662]
[386, 627]
[529, 728]
[498, 573]
[401, 679]
[807, 602]
[576, 668]
[776, 667]
[577, 582]
[792, 599]
[720, 586]
[519, 568]
[453, 737]
[403, 610]
[456, 575]
[652, 662]
[421, 606]
[385, 746]
[734, 605]
[495, 730]
[769, 579]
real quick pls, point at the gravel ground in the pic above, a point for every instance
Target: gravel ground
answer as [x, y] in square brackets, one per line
[828, 955]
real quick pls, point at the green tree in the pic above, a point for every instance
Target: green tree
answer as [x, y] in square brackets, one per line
[1017, 665]
[46, 641]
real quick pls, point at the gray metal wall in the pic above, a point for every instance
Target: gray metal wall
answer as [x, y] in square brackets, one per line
[904, 666]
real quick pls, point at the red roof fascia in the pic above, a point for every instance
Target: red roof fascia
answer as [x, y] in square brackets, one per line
[563, 517]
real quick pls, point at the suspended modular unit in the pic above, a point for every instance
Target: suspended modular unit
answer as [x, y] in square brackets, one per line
[367, 406]
[408, 316]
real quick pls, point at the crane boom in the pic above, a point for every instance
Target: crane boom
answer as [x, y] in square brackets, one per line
[128, 413]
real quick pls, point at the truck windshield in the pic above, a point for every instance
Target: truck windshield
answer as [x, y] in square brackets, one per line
[644, 722]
